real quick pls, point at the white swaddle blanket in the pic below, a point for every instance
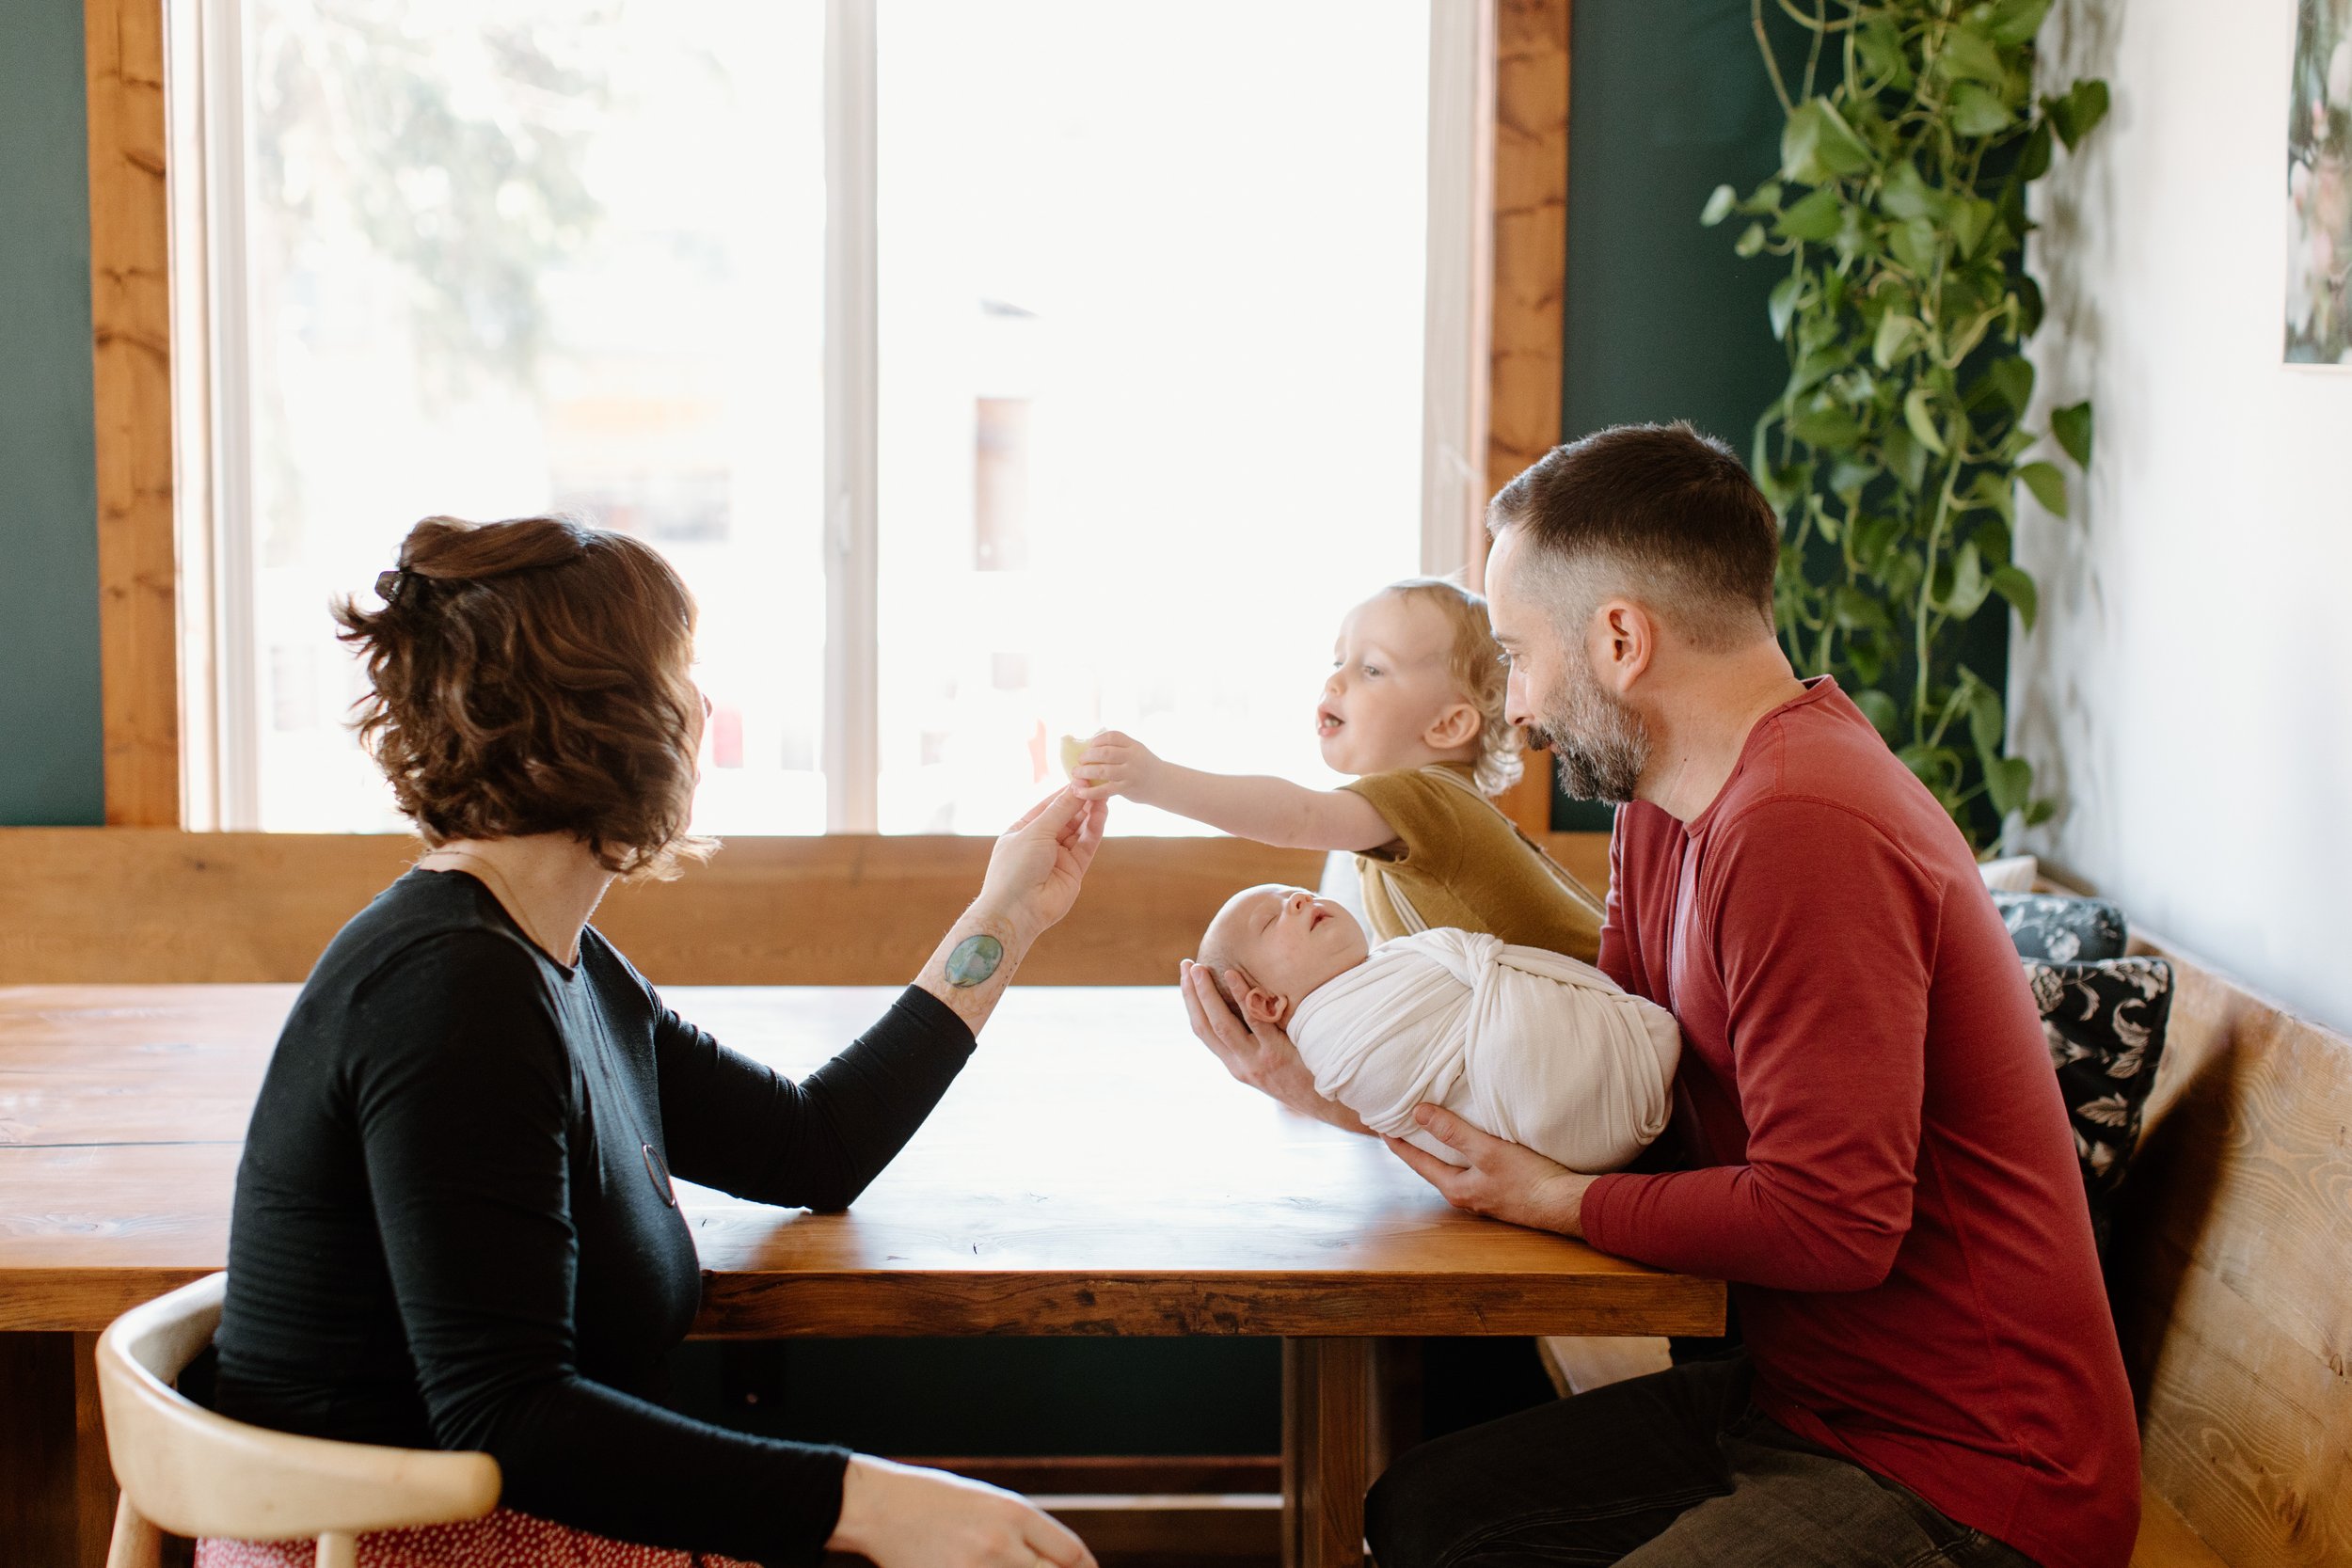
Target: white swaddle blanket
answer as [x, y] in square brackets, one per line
[1525, 1044]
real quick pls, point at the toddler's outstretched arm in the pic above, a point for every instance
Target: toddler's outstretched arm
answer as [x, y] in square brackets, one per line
[1272, 811]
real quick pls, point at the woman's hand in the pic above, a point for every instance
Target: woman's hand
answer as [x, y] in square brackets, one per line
[1260, 1054]
[1115, 763]
[902, 1517]
[1033, 877]
[1503, 1180]
[1034, 871]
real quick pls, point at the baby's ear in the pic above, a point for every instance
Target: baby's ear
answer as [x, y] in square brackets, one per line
[1264, 1007]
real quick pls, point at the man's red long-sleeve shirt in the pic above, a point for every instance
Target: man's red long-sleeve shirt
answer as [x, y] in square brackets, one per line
[1878, 1157]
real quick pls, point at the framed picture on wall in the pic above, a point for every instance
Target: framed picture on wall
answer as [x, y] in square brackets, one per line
[2319, 186]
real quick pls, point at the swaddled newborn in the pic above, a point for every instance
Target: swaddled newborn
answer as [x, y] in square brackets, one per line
[1525, 1044]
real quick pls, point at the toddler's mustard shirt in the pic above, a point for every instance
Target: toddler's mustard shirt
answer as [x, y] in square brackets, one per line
[1457, 860]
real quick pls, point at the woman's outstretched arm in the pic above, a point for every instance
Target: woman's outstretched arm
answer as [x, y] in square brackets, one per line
[737, 1125]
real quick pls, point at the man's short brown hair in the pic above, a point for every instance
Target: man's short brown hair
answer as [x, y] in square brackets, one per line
[1660, 511]
[534, 676]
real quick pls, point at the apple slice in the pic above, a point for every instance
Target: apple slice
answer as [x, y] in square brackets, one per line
[1072, 750]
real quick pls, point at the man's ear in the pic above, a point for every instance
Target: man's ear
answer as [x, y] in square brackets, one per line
[1625, 641]
[1456, 726]
[1264, 1007]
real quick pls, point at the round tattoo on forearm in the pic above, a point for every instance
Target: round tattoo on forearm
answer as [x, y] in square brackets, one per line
[974, 959]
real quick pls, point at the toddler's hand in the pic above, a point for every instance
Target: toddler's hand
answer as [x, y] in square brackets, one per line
[1114, 764]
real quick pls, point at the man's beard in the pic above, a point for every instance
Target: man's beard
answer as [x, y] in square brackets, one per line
[1599, 746]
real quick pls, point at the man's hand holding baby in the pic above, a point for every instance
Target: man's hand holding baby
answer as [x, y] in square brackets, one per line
[1259, 1055]
[1503, 1180]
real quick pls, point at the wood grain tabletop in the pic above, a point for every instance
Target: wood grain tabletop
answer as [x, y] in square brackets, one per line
[1093, 1171]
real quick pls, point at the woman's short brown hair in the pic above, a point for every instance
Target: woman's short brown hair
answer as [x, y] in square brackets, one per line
[534, 676]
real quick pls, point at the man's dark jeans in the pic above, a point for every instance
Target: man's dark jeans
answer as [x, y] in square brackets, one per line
[1674, 1468]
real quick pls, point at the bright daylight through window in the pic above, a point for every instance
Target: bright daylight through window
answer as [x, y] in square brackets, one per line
[1145, 395]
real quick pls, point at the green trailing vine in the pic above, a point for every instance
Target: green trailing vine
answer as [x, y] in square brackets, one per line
[1895, 451]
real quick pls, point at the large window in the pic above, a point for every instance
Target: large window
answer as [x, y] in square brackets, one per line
[991, 371]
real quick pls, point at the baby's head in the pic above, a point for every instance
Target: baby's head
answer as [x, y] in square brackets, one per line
[1418, 677]
[1283, 941]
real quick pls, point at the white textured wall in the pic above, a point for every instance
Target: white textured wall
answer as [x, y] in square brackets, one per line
[2188, 690]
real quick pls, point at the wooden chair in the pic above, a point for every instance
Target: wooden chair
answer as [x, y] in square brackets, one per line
[186, 1470]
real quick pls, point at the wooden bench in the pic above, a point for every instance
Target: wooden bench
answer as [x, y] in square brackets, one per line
[2231, 1281]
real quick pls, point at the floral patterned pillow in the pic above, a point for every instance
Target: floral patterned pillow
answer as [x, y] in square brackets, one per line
[2061, 931]
[2105, 1025]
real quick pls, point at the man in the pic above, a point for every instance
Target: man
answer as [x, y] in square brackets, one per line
[1872, 1150]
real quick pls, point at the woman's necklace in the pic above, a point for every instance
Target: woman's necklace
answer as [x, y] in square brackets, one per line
[504, 891]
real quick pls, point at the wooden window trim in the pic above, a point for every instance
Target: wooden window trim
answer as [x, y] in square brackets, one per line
[1531, 258]
[131, 353]
[1531, 235]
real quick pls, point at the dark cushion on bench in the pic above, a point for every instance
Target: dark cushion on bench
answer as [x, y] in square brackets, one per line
[2062, 930]
[2105, 1025]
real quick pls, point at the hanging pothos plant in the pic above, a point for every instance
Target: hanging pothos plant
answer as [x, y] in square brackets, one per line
[1895, 452]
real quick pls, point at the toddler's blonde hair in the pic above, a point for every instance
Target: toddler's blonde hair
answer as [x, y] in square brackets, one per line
[1479, 675]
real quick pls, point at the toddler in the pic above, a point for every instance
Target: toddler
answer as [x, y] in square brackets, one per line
[1522, 1043]
[1413, 708]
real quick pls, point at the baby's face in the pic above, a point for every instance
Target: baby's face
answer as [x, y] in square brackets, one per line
[1391, 680]
[1286, 942]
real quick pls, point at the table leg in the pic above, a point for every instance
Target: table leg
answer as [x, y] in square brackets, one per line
[1327, 1430]
[95, 1494]
[38, 1506]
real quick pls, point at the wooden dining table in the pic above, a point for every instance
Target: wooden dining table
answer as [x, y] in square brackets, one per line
[1093, 1171]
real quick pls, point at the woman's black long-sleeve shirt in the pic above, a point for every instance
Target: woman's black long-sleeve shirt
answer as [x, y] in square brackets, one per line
[454, 1225]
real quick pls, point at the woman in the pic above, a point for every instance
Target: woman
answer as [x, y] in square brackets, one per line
[454, 1223]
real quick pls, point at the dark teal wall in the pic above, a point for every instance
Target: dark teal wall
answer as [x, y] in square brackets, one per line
[50, 758]
[1669, 98]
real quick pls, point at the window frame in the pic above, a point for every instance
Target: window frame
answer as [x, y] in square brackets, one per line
[180, 692]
